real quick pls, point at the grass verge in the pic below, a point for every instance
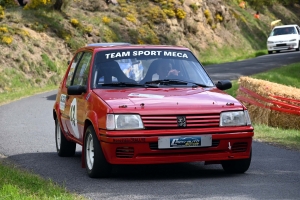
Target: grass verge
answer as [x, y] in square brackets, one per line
[7, 97]
[287, 138]
[286, 75]
[19, 184]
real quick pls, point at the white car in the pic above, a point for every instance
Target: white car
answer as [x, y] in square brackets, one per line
[285, 37]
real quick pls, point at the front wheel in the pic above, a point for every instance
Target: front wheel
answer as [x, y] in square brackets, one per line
[64, 147]
[270, 52]
[298, 47]
[237, 166]
[96, 164]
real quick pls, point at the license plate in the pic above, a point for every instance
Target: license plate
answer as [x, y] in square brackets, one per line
[189, 141]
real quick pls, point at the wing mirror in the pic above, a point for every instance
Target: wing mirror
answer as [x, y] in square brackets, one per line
[76, 90]
[224, 85]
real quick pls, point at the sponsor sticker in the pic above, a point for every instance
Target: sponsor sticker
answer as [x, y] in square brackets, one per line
[62, 102]
[123, 54]
[145, 95]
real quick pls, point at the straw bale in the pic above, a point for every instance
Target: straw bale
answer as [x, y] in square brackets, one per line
[266, 88]
[267, 116]
[284, 120]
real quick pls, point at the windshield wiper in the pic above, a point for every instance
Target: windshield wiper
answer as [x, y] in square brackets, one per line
[127, 84]
[175, 82]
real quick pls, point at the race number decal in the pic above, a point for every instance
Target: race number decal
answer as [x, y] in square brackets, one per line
[73, 117]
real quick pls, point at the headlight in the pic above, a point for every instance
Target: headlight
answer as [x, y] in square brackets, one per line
[123, 122]
[292, 40]
[236, 118]
[270, 42]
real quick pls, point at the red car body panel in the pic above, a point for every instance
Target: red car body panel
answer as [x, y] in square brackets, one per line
[140, 146]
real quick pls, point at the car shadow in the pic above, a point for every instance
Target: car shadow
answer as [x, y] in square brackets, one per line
[61, 169]
[51, 97]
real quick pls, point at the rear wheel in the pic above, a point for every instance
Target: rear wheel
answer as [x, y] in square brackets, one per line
[64, 147]
[96, 164]
[237, 166]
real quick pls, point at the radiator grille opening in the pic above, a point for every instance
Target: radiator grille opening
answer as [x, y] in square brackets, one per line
[170, 121]
[124, 152]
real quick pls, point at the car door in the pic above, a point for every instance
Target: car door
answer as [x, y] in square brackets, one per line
[64, 99]
[75, 105]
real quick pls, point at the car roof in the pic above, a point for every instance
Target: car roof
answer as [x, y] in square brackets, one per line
[283, 26]
[128, 46]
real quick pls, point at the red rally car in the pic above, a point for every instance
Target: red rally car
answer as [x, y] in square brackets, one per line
[146, 104]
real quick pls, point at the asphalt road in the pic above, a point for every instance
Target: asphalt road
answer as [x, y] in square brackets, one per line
[233, 70]
[27, 139]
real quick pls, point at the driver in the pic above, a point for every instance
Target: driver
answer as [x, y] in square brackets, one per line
[164, 70]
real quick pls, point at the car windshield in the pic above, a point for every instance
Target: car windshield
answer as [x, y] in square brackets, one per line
[283, 31]
[148, 68]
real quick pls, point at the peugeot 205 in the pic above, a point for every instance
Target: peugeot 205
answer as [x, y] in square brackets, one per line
[159, 107]
[286, 37]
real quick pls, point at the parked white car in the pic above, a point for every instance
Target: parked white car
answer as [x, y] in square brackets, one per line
[285, 37]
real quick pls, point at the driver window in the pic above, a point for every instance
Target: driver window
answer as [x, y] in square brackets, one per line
[72, 69]
[82, 71]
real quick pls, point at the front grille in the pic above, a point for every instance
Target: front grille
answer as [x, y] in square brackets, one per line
[170, 121]
[125, 152]
[154, 145]
[239, 147]
[280, 45]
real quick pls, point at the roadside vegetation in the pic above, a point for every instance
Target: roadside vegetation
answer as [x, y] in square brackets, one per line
[287, 138]
[22, 185]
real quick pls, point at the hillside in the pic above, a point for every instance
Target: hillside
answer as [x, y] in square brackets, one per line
[37, 43]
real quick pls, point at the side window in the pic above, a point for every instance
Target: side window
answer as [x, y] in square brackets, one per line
[82, 70]
[72, 69]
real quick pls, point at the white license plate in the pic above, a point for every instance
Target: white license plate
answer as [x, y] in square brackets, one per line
[188, 141]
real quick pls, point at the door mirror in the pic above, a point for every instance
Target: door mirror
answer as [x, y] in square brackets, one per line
[76, 90]
[224, 85]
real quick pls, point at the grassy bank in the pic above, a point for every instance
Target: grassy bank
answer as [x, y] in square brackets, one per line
[21, 185]
[286, 75]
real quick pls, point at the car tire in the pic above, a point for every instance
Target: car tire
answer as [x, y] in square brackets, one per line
[298, 47]
[64, 147]
[270, 52]
[96, 164]
[237, 166]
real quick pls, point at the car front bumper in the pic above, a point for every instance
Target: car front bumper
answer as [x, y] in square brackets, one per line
[144, 150]
[282, 46]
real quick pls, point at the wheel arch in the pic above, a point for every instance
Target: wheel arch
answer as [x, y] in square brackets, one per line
[91, 120]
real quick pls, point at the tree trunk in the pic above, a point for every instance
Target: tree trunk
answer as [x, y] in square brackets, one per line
[58, 4]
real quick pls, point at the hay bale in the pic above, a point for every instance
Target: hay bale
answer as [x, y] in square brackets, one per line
[259, 97]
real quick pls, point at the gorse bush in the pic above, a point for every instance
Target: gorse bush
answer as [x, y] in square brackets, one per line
[33, 4]
[7, 39]
[74, 22]
[180, 13]
[194, 7]
[169, 13]
[106, 20]
[2, 13]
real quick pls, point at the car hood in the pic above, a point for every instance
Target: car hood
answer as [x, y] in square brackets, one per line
[282, 38]
[168, 100]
